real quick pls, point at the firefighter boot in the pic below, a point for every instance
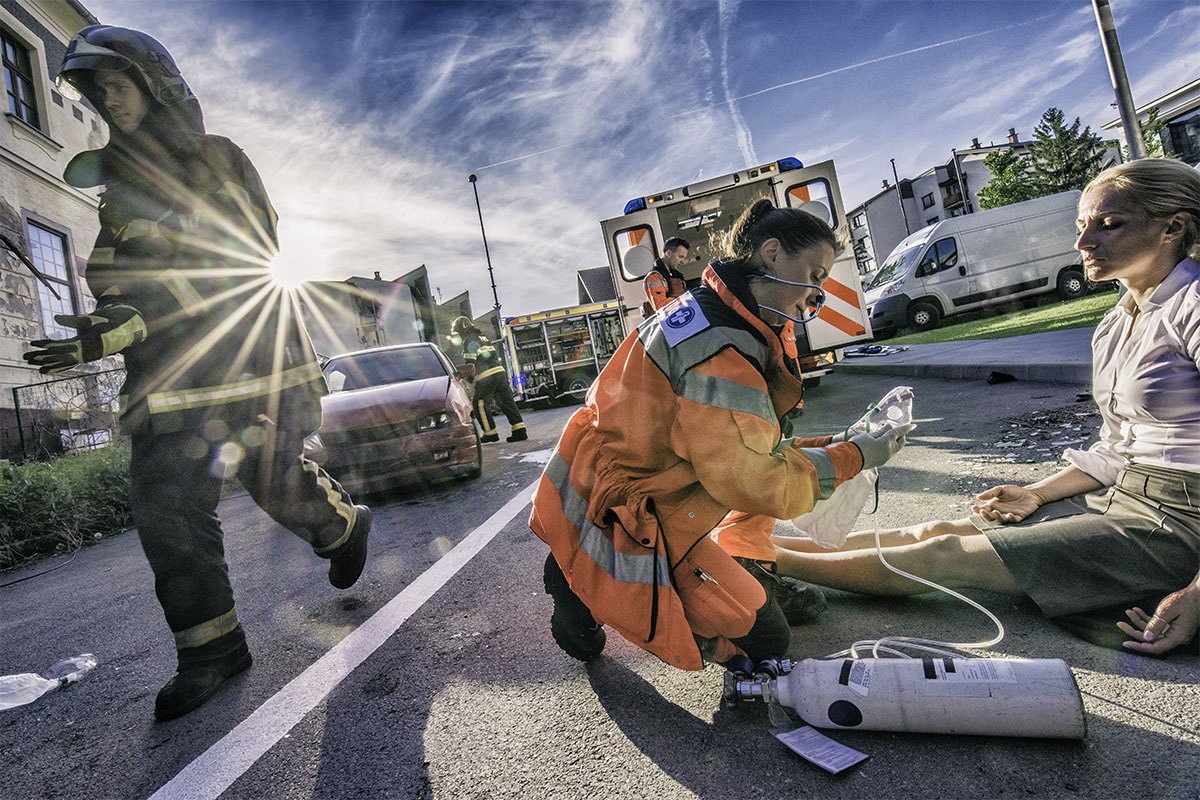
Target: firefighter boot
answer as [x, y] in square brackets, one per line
[201, 672]
[801, 602]
[488, 438]
[346, 563]
[573, 627]
[518, 435]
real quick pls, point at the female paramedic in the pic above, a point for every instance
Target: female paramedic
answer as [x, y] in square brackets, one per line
[1117, 531]
[682, 426]
[220, 375]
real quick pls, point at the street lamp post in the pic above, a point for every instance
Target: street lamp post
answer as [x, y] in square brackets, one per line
[491, 275]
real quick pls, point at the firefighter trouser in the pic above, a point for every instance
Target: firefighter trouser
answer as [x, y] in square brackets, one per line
[175, 485]
[495, 387]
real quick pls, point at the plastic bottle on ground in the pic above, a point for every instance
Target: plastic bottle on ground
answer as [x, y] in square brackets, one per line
[17, 690]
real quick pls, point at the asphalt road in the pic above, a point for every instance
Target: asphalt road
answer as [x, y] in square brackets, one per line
[469, 696]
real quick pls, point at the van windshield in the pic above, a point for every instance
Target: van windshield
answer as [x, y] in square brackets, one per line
[895, 267]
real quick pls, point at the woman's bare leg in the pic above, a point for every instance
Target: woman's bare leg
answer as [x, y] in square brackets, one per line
[958, 561]
[889, 537]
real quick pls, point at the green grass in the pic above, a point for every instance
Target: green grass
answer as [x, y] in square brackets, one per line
[1050, 315]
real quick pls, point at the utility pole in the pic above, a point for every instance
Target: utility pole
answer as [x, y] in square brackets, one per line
[1120, 82]
[491, 275]
[900, 199]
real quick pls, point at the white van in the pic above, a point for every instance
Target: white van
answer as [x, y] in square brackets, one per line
[978, 260]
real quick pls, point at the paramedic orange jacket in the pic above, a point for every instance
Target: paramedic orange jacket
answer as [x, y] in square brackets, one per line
[662, 285]
[681, 426]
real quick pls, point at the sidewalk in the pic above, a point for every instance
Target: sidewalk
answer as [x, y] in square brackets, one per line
[1054, 357]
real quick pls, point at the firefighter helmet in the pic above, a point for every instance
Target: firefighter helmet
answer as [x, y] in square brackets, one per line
[104, 48]
[460, 326]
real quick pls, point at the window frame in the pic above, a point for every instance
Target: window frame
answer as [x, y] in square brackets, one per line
[16, 77]
[927, 200]
[70, 297]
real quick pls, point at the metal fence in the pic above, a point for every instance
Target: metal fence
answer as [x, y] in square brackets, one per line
[62, 415]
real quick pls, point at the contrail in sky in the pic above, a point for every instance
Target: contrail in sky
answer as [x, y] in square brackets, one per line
[732, 100]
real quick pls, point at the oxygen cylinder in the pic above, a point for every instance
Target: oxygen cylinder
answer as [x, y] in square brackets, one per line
[981, 696]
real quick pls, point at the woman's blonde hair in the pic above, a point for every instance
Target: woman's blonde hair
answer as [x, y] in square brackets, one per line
[1160, 187]
[796, 230]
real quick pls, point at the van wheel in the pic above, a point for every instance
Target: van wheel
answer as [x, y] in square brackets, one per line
[923, 316]
[1072, 284]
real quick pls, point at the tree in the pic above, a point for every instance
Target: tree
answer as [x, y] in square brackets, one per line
[1011, 181]
[1063, 157]
[1149, 130]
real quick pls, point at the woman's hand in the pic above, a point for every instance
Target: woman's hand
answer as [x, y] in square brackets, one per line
[1007, 503]
[1174, 622]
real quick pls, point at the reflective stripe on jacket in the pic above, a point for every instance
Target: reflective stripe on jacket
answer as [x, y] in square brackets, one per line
[681, 426]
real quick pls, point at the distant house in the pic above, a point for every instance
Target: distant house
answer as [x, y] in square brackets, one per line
[595, 285]
[50, 224]
[358, 312]
[1180, 109]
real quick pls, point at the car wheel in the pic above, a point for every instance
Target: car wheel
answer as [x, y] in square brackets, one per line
[923, 316]
[1072, 285]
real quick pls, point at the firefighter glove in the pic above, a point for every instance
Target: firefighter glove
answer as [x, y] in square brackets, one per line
[879, 446]
[107, 330]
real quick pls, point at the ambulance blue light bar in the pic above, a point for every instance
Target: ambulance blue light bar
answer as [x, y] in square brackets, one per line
[636, 204]
[789, 163]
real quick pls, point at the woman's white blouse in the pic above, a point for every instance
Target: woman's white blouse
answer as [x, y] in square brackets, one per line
[1146, 380]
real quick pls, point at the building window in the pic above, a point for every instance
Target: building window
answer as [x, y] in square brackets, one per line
[49, 254]
[927, 200]
[857, 222]
[931, 220]
[18, 80]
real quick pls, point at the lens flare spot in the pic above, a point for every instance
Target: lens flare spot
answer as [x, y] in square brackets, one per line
[440, 546]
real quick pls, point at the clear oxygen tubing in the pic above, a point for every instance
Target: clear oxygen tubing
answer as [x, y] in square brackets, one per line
[890, 644]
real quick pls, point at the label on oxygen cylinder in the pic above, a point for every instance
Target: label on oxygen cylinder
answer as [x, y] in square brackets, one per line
[969, 670]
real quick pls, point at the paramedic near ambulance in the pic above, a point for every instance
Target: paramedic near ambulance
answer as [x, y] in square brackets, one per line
[220, 375]
[664, 282]
[1117, 533]
[682, 425]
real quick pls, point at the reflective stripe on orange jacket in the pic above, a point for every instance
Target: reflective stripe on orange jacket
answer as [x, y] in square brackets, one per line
[681, 426]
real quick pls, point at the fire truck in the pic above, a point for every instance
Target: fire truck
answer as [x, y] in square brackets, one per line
[555, 355]
[702, 212]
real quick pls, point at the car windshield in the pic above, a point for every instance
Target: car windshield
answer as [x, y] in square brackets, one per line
[894, 268]
[379, 368]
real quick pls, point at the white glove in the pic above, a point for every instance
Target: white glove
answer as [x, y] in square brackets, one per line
[879, 446]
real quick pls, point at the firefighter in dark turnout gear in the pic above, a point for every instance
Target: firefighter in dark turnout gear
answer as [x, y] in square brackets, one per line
[490, 384]
[221, 376]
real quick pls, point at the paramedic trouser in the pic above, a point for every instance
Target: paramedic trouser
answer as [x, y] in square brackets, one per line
[175, 484]
[491, 386]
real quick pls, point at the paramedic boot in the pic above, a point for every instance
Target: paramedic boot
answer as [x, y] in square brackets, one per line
[201, 672]
[573, 627]
[801, 602]
[346, 563]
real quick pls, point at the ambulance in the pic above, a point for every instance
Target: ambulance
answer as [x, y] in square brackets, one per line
[704, 211]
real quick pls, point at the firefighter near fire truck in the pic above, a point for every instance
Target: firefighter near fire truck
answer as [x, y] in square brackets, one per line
[682, 426]
[220, 375]
[489, 384]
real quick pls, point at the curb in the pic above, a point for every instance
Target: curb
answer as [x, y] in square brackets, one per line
[1076, 374]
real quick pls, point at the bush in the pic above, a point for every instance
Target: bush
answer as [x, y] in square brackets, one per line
[56, 506]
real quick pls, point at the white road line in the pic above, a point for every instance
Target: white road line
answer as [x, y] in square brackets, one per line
[219, 766]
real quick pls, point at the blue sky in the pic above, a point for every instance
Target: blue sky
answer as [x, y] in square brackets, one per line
[366, 118]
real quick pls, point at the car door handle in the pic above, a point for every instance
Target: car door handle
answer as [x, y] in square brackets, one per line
[962, 270]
